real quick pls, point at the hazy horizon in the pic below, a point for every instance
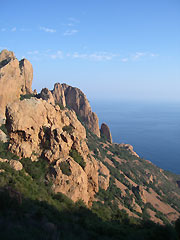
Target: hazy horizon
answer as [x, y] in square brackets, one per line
[118, 50]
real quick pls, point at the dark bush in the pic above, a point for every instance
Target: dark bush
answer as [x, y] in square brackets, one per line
[64, 166]
[77, 157]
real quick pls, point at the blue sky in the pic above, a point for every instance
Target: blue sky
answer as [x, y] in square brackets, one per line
[111, 49]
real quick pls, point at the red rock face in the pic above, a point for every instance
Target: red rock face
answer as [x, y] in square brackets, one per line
[38, 128]
[15, 78]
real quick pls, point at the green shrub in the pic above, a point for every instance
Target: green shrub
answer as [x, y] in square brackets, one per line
[64, 166]
[68, 129]
[46, 143]
[77, 157]
[5, 153]
[26, 96]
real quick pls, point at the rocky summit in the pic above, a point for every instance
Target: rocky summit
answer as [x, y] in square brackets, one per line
[15, 79]
[59, 171]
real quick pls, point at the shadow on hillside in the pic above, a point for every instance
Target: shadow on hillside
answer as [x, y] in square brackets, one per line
[32, 219]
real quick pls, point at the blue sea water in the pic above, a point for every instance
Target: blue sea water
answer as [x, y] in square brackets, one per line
[152, 128]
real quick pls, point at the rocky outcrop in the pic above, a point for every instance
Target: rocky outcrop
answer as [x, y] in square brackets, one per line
[27, 75]
[105, 132]
[5, 57]
[15, 78]
[67, 96]
[77, 100]
[37, 128]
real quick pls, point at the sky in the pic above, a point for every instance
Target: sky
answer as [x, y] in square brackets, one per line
[110, 49]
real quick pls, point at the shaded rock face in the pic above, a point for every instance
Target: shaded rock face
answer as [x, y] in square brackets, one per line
[37, 128]
[65, 95]
[15, 78]
[105, 132]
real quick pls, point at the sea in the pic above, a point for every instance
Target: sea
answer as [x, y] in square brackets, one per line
[152, 128]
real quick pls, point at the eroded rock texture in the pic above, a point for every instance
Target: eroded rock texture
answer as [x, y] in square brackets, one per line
[39, 129]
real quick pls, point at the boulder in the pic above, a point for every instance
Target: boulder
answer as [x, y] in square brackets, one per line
[16, 165]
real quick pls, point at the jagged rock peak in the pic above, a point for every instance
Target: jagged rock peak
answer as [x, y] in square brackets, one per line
[65, 95]
[15, 78]
[105, 132]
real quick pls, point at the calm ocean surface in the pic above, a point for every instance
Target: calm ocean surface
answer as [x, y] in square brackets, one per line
[152, 128]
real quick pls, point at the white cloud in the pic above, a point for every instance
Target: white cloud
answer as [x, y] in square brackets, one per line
[97, 56]
[124, 59]
[57, 55]
[70, 32]
[154, 55]
[33, 52]
[101, 56]
[79, 55]
[49, 30]
[13, 29]
[138, 55]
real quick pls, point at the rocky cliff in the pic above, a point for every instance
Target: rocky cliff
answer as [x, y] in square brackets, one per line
[40, 129]
[72, 97]
[15, 78]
